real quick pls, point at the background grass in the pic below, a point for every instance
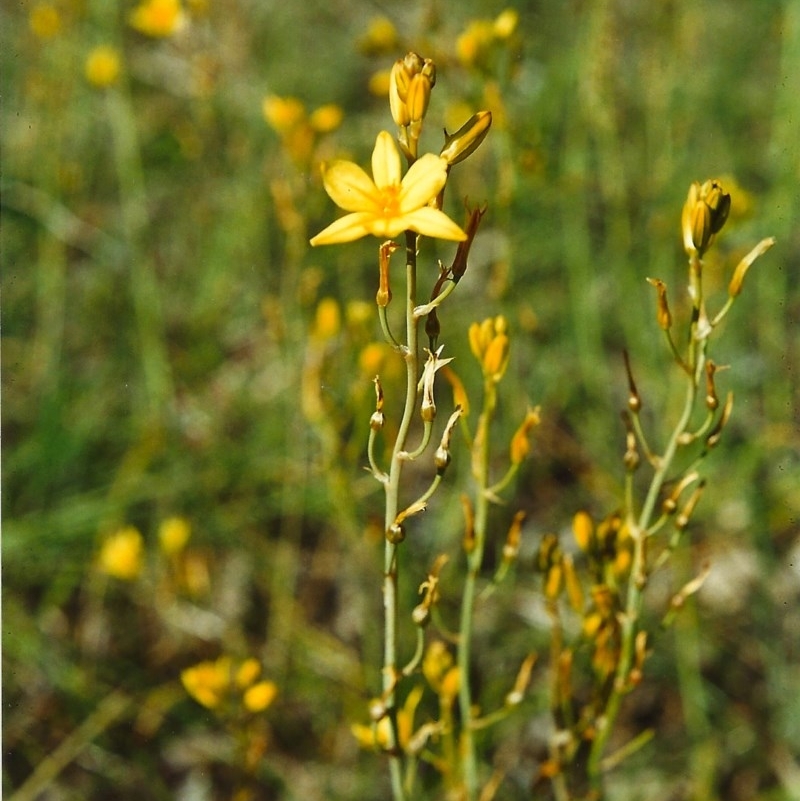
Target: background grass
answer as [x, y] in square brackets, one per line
[158, 295]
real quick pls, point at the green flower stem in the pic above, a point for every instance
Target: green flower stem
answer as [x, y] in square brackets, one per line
[698, 341]
[392, 488]
[107, 712]
[480, 462]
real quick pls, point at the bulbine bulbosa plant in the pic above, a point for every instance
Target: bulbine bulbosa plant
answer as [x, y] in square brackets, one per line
[593, 586]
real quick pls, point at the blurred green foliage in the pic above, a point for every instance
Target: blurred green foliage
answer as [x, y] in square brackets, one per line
[158, 299]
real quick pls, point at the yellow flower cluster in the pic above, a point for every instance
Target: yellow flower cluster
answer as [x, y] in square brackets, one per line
[489, 344]
[481, 34]
[210, 683]
[298, 129]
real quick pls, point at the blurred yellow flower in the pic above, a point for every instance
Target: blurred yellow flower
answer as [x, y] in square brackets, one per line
[207, 682]
[436, 663]
[248, 672]
[326, 118]
[210, 682]
[328, 319]
[506, 23]
[381, 37]
[379, 83]
[387, 205]
[158, 18]
[173, 534]
[121, 554]
[474, 40]
[282, 113]
[372, 358]
[449, 688]
[44, 20]
[102, 66]
[258, 697]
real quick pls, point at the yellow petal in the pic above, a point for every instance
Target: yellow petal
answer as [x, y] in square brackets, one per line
[432, 222]
[258, 697]
[423, 181]
[349, 186]
[346, 229]
[385, 162]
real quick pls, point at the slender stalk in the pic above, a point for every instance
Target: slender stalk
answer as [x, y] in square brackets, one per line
[107, 712]
[474, 561]
[392, 487]
[637, 580]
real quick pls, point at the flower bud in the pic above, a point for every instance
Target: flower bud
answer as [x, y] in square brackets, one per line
[495, 360]
[704, 213]
[419, 95]
[467, 139]
[735, 286]
[520, 443]
[398, 89]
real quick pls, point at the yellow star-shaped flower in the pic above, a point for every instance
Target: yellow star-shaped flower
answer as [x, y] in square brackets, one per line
[389, 204]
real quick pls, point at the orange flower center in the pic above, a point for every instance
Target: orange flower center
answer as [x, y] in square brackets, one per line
[390, 200]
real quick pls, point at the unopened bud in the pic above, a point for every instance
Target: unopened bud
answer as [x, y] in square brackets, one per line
[495, 360]
[735, 286]
[428, 70]
[398, 90]
[704, 213]
[520, 442]
[466, 140]
[413, 63]
[419, 95]
[583, 530]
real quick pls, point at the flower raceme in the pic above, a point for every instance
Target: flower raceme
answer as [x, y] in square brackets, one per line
[386, 204]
